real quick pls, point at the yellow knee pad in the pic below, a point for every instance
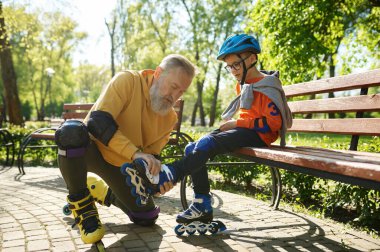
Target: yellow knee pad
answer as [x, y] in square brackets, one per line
[99, 190]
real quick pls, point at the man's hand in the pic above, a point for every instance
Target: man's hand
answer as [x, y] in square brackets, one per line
[153, 163]
[167, 186]
[231, 124]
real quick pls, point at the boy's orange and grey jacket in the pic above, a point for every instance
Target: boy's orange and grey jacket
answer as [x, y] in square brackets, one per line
[127, 99]
[262, 107]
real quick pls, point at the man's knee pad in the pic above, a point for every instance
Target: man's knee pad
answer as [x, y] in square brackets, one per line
[99, 190]
[189, 148]
[145, 219]
[72, 138]
[205, 143]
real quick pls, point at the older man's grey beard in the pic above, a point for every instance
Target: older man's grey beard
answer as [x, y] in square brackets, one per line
[159, 104]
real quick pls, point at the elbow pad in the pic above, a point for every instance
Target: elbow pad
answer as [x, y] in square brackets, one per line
[102, 126]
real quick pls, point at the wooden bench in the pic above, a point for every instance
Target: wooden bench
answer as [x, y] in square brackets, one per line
[348, 166]
[79, 112]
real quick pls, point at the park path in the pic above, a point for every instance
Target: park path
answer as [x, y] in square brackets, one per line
[31, 219]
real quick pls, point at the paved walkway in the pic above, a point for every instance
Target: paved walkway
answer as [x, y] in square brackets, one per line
[31, 219]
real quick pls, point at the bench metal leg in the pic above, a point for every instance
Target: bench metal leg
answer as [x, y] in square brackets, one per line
[185, 182]
[276, 187]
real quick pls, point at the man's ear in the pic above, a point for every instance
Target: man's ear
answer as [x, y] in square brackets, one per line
[158, 72]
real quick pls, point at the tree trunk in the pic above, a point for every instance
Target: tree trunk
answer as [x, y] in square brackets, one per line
[332, 74]
[111, 33]
[215, 97]
[9, 77]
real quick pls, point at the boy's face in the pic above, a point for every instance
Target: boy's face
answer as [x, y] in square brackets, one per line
[234, 64]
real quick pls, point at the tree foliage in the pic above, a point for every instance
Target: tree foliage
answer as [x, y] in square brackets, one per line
[303, 38]
[42, 40]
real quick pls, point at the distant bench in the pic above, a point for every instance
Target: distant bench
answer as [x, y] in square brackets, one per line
[348, 166]
[79, 111]
[7, 141]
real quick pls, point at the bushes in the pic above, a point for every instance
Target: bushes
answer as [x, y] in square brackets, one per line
[33, 157]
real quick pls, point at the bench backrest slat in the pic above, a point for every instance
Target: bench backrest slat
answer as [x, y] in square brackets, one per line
[341, 104]
[339, 83]
[353, 126]
[316, 115]
[80, 111]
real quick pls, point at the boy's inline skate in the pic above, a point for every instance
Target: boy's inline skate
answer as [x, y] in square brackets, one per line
[198, 217]
[142, 183]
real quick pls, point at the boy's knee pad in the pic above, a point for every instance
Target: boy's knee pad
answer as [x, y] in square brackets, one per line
[145, 219]
[189, 148]
[72, 138]
[205, 143]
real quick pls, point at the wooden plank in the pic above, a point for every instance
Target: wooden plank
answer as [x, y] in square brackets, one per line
[352, 156]
[352, 126]
[355, 169]
[339, 83]
[46, 136]
[343, 104]
[77, 106]
[74, 115]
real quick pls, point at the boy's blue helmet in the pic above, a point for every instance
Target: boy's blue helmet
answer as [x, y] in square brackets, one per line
[237, 44]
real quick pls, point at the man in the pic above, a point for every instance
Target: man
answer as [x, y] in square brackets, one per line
[263, 117]
[132, 119]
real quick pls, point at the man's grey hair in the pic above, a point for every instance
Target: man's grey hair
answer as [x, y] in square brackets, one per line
[175, 60]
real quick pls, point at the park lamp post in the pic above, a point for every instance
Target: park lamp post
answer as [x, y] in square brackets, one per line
[50, 72]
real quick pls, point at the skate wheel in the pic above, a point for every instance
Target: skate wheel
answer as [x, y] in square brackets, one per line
[179, 230]
[66, 210]
[100, 246]
[191, 229]
[214, 229]
[202, 229]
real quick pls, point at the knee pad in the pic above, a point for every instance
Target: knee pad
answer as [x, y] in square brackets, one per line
[189, 148]
[72, 138]
[205, 143]
[99, 190]
[145, 219]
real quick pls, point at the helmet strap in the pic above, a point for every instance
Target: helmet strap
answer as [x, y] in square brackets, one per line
[245, 70]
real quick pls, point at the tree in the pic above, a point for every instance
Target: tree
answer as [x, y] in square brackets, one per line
[40, 41]
[9, 75]
[303, 38]
[229, 16]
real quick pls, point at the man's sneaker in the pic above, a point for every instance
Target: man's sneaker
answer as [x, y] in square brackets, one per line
[199, 210]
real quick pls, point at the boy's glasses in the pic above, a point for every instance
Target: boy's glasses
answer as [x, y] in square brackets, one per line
[236, 65]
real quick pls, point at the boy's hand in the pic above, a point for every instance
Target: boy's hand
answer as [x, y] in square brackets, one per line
[231, 124]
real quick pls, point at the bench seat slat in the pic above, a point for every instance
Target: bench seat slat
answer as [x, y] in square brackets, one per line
[352, 126]
[286, 155]
[339, 83]
[41, 136]
[336, 154]
[343, 104]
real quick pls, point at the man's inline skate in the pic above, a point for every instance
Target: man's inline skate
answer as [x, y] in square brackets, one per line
[142, 183]
[87, 218]
[198, 218]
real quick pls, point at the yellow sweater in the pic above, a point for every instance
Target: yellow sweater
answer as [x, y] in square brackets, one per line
[127, 99]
